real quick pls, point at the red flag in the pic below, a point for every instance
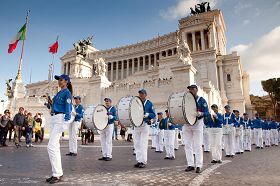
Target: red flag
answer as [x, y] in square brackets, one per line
[53, 48]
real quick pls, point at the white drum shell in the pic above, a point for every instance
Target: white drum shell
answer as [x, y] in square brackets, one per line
[130, 111]
[95, 117]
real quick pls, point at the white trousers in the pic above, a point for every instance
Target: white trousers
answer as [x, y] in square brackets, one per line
[216, 135]
[159, 140]
[154, 141]
[73, 130]
[239, 142]
[274, 136]
[258, 137]
[182, 139]
[106, 141]
[229, 142]
[176, 141]
[141, 143]
[253, 140]
[266, 137]
[56, 128]
[193, 137]
[247, 139]
[206, 139]
[169, 138]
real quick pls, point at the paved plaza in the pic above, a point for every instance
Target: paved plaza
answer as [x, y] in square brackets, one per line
[30, 166]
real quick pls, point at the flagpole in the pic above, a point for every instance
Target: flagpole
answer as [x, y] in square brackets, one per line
[19, 75]
[53, 61]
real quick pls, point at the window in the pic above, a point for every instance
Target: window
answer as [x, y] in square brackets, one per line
[228, 77]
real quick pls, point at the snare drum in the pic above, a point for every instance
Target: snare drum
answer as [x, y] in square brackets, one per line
[182, 108]
[96, 117]
[131, 111]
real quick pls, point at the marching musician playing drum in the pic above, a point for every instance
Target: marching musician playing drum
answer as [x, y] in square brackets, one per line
[141, 133]
[247, 123]
[216, 134]
[160, 134]
[169, 137]
[229, 123]
[193, 134]
[74, 126]
[107, 133]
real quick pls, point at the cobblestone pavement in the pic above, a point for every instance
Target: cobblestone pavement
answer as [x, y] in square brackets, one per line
[30, 166]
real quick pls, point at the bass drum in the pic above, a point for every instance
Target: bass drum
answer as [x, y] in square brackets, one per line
[182, 108]
[95, 117]
[131, 111]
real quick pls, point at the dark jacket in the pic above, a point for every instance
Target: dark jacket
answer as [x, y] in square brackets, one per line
[19, 120]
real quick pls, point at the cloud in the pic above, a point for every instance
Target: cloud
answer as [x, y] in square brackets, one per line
[261, 59]
[246, 22]
[241, 6]
[182, 8]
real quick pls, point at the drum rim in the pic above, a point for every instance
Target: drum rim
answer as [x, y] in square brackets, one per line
[168, 104]
[130, 118]
[93, 116]
[183, 105]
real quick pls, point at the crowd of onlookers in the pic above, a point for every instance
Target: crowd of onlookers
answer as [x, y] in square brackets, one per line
[22, 124]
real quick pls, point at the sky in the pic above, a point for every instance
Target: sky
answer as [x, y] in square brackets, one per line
[253, 29]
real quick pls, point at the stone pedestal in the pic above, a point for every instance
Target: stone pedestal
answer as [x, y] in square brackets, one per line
[97, 86]
[18, 89]
[184, 75]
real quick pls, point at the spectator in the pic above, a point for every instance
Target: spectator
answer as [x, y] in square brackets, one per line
[37, 129]
[129, 134]
[4, 121]
[29, 129]
[84, 132]
[10, 126]
[122, 132]
[90, 136]
[115, 132]
[19, 121]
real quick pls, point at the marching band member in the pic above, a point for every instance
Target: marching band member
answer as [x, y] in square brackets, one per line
[153, 132]
[239, 133]
[74, 126]
[61, 107]
[142, 133]
[229, 124]
[273, 132]
[159, 136]
[247, 124]
[169, 137]
[107, 134]
[193, 134]
[216, 134]
[266, 133]
[257, 124]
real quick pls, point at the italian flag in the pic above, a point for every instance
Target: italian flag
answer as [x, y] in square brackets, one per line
[20, 36]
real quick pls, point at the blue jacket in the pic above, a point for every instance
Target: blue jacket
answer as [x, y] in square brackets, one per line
[265, 125]
[167, 121]
[112, 111]
[229, 118]
[246, 123]
[273, 125]
[149, 108]
[215, 122]
[62, 102]
[239, 121]
[257, 123]
[79, 112]
[202, 106]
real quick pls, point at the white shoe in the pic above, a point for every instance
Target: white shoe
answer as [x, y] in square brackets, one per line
[31, 145]
[27, 146]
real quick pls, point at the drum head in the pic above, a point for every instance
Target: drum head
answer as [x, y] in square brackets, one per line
[100, 117]
[136, 112]
[190, 108]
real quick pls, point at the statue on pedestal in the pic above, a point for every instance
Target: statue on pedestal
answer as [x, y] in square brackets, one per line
[200, 8]
[9, 91]
[183, 49]
[81, 46]
[100, 67]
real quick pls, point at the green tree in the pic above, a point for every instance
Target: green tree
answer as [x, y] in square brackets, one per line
[272, 87]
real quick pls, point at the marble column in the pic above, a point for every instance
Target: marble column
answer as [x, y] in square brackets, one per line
[122, 69]
[144, 62]
[222, 85]
[117, 70]
[132, 66]
[112, 71]
[138, 64]
[149, 58]
[193, 41]
[202, 39]
[127, 68]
